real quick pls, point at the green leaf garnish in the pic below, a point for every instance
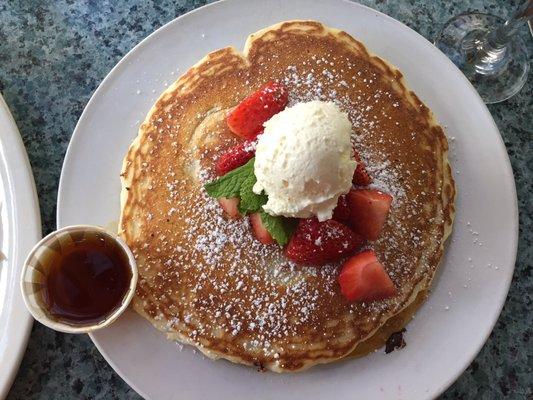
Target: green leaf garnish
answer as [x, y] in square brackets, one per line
[230, 184]
[280, 228]
[250, 201]
[239, 183]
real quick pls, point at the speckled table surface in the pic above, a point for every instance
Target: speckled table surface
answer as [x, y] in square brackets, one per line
[53, 55]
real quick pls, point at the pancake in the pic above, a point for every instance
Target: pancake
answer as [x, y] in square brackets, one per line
[205, 281]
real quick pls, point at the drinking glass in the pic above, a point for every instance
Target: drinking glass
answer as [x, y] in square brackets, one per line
[487, 49]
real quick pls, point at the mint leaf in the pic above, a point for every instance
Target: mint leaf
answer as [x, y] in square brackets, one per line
[280, 228]
[240, 183]
[250, 201]
[230, 184]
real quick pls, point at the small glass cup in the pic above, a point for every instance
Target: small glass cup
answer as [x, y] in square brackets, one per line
[487, 49]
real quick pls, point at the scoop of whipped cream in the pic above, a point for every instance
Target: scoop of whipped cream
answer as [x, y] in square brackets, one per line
[303, 160]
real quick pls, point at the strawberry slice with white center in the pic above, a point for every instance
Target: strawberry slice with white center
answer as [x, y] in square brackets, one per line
[259, 230]
[363, 278]
[230, 206]
[247, 119]
[317, 243]
[235, 157]
[368, 211]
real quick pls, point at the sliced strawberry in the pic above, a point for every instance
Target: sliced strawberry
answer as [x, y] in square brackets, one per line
[230, 206]
[368, 211]
[236, 156]
[317, 243]
[247, 119]
[360, 175]
[363, 278]
[259, 230]
[341, 213]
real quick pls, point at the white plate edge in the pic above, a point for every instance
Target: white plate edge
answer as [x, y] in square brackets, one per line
[24, 199]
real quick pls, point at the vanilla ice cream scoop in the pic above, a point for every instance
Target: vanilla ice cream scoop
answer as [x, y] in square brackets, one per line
[303, 160]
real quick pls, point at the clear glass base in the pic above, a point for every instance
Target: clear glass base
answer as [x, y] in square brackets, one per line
[497, 74]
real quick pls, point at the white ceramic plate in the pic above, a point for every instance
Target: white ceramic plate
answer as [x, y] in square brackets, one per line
[20, 229]
[469, 293]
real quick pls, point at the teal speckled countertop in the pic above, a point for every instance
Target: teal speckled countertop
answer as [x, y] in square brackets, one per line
[53, 55]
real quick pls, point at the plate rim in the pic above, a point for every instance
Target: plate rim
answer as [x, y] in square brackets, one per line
[508, 171]
[25, 216]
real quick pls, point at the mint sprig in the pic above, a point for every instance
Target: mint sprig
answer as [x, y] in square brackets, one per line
[230, 184]
[250, 201]
[239, 183]
[280, 228]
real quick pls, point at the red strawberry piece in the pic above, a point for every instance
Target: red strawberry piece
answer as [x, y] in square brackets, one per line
[363, 278]
[236, 156]
[360, 175]
[247, 119]
[259, 230]
[230, 206]
[341, 213]
[317, 243]
[368, 211]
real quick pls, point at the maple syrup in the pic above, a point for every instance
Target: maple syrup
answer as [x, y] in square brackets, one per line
[87, 281]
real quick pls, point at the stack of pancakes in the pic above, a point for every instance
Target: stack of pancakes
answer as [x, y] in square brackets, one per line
[204, 280]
